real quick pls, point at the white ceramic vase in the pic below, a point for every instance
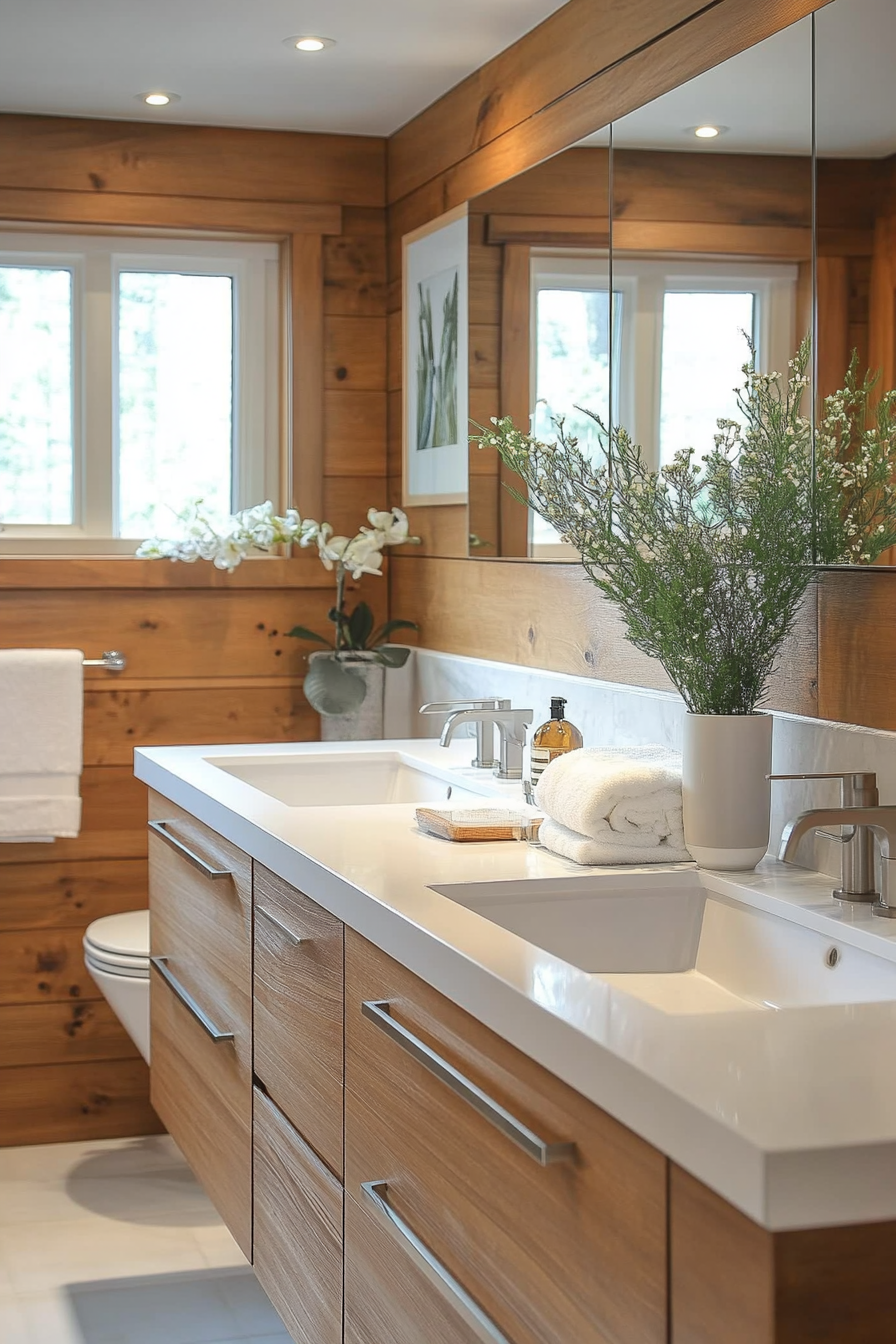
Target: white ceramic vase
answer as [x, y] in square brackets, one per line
[726, 795]
[366, 723]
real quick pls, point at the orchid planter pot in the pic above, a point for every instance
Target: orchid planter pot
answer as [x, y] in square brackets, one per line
[726, 794]
[365, 723]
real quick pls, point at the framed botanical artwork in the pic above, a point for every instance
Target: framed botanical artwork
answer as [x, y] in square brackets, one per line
[435, 335]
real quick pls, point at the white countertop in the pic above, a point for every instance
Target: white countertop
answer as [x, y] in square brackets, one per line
[790, 1114]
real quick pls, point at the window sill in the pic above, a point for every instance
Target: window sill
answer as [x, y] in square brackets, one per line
[52, 571]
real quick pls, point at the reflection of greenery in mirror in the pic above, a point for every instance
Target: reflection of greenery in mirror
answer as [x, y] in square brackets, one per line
[708, 558]
[855, 457]
[856, 227]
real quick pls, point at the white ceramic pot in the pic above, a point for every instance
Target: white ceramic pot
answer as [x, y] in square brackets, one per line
[726, 795]
[366, 723]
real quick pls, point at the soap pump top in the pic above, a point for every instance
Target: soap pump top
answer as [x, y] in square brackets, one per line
[554, 738]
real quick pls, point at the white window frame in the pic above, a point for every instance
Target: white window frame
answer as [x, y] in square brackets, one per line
[643, 283]
[96, 262]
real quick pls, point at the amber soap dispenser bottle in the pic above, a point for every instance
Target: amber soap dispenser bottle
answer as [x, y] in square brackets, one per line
[553, 738]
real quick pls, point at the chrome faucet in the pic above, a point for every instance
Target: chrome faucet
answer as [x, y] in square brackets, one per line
[511, 725]
[485, 733]
[857, 875]
[866, 820]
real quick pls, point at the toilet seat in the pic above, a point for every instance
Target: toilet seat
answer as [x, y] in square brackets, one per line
[132, 968]
[119, 944]
[122, 935]
[116, 954]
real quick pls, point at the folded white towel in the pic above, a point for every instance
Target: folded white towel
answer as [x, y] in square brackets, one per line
[41, 731]
[606, 850]
[627, 792]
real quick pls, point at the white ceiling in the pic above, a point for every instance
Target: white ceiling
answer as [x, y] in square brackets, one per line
[226, 60]
[764, 96]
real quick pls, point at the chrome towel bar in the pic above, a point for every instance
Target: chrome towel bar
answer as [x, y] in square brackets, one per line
[112, 660]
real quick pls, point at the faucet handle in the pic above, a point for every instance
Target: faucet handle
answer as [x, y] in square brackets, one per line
[858, 788]
[449, 706]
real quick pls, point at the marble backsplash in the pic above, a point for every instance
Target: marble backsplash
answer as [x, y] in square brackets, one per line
[615, 715]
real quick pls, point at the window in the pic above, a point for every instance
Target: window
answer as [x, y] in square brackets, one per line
[136, 376]
[677, 327]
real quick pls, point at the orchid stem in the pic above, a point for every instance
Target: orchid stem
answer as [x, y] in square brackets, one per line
[340, 603]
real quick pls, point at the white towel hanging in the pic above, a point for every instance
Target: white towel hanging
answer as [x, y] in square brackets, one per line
[41, 743]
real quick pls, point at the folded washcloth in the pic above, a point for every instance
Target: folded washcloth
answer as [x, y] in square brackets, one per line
[630, 794]
[606, 850]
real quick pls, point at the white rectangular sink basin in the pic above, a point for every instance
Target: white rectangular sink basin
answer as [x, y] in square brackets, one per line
[344, 780]
[666, 941]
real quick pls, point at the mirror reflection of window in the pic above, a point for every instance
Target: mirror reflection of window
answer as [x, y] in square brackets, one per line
[703, 346]
[572, 362]
[679, 341]
[571, 365]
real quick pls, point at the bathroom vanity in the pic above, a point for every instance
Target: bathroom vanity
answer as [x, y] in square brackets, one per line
[472, 1093]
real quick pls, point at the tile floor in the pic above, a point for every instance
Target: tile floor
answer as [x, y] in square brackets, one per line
[115, 1243]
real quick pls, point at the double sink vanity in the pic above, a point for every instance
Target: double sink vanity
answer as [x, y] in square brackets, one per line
[454, 1092]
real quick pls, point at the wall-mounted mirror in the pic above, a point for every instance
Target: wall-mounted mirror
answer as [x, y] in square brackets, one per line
[622, 274]
[697, 219]
[856, 212]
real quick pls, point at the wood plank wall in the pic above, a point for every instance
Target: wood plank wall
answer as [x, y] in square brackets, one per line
[207, 660]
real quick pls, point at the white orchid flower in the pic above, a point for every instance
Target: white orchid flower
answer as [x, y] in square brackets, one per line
[231, 551]
[363, 556]
[331, 548]
[389, 524]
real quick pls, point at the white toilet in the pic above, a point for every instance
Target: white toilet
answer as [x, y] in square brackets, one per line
[116, 953]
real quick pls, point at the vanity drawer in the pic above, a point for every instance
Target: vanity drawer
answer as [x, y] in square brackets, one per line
[299, 1011]
[391, 1297]
[298, 1229]
[200, 1007]
[200, 898]
[572, 1252]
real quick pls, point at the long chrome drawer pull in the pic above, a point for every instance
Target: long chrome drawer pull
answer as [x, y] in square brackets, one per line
[543, 1153]
[375, 1193]
[160, 964]
[288, 934]
[159, 828]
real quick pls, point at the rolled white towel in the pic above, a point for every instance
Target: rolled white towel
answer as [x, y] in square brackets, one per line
[632, 792]
[606, 851]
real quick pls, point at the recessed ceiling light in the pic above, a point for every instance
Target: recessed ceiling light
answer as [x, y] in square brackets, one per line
[708, 132]
[158, 99]
[307, 42]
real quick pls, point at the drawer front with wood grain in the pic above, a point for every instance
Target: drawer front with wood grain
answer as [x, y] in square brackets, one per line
[393, 1294]
[548, 1213]
[298, 1229]
[299, 1011]
[201, 1006]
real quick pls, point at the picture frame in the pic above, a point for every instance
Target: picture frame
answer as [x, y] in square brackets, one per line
[435, 433]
